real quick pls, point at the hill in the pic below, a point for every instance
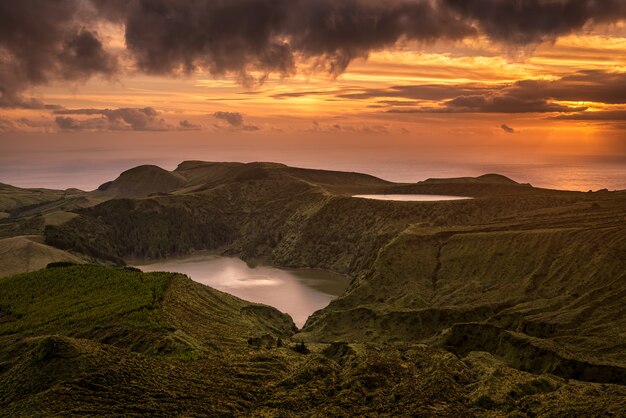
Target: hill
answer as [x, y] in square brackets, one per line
[29, 253]
[140, 181]
[12, 199]
[516, 296]
[106, 341]
[485, 179]
[93, 329]
[520, 258]
[205, 175]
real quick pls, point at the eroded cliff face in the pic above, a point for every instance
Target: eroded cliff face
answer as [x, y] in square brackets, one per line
[562, 283]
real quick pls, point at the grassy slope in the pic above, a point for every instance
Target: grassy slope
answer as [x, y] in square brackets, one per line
[13, 198]
[74, 337]
[28, 253]
[101, 303]
[115, 341]
[28, 211]
[537, 270]
[549, 264]
[557, 279]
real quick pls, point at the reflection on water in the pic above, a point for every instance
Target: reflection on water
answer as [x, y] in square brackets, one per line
[296, 292]
[411, 197]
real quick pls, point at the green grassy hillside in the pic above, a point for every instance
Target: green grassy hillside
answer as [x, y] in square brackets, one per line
[89, 330]
[91, 340]
[514, 299]
[146, 312]
[548, 264]
[556, 276]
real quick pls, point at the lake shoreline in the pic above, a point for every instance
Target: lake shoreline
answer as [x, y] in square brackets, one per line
[251, 262]
[297, 292]
[413, 197]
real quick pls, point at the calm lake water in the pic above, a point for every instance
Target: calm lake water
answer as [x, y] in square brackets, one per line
[411, 197]
[296, 292]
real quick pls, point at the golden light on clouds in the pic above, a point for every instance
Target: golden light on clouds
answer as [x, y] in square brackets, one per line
[195, 95]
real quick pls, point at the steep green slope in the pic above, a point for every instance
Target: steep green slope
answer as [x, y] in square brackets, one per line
[110, 341]
[75, 337]
[271, 210]
[555, 277]
[145, 312]
[111, 301]
[241, 214]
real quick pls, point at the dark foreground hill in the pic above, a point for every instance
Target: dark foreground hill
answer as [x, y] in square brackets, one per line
[509, 303]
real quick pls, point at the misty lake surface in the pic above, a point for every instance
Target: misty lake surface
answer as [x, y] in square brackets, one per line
[296, 292]
[411, 197]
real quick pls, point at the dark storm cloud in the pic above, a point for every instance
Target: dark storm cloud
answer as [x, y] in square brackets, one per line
[239, 35]
[523, 22]
[340, 31]
[506, 128]
[234, 120]
[167, 36]
[268, 35]
[42, 40]
[83, 55]
[123, 119]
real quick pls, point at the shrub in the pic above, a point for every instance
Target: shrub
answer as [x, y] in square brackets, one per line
[301, 348]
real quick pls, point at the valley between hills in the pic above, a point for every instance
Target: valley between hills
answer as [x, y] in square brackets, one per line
[512, 303]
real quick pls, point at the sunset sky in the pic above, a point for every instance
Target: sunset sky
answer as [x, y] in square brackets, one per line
[93, 87]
